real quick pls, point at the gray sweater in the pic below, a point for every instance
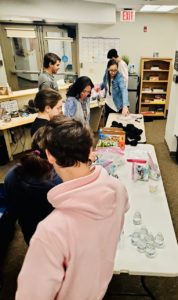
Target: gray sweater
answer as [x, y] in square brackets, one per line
[47, 80]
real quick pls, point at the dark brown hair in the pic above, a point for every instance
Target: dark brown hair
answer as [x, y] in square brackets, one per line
[111, 62]
[68, 140]
[35, 163]
[112, 53]
[46, 97]
[50, 58]
[78, 86]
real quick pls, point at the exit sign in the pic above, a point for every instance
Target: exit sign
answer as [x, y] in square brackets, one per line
[127, 15]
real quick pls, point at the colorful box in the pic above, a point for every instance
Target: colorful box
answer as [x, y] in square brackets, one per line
[111, 136]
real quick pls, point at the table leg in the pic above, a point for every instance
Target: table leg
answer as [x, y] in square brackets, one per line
[95, 117]
[149, 293]
[6, 137]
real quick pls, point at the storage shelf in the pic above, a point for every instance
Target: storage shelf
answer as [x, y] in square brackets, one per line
[149, 70]
[151, 84]
[161, 93]
[155, 114]
[155, 81]
[153, 103]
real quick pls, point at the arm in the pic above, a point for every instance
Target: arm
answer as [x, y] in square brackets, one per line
[103, 84]
[124, 93]
[42, 272]
[11, 188]
[45, 82]
[70, 108]
[123, 69]
[45, 85]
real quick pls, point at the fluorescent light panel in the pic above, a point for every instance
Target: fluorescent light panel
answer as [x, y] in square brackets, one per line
[167, 7]
[158, 8]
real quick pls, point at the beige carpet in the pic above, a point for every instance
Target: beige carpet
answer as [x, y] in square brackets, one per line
[162, 288]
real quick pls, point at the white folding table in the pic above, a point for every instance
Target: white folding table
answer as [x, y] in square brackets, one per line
[135, 119]
[156, 217]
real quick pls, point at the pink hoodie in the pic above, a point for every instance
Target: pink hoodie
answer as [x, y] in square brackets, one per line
[71, 255]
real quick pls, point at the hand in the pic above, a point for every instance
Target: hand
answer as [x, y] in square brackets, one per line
[93, 156]
[97, 88]
[125, 111]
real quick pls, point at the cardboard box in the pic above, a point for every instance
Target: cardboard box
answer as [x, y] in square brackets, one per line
[154, 78]
[111, 136]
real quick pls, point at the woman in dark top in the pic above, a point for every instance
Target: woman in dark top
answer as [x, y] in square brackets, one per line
[26, 187]
[48, 102]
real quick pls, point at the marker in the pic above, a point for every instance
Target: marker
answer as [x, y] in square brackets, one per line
[140, 161]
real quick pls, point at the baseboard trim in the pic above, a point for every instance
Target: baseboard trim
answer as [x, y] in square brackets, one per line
[172, 153]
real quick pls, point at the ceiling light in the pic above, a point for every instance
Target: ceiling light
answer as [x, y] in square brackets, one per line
[149, 8]
[157, 8]
[167, 7]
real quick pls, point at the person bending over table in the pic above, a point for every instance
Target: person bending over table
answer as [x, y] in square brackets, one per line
[122, 66]
[71, 255]
[51, 65]
[77, 104]
[26, 186]
[48, 103]
[116, 92]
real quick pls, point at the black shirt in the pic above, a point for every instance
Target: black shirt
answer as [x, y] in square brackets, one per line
[37, 124]
[26, 197]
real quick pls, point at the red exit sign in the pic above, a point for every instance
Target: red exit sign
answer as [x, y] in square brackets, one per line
[127, 15]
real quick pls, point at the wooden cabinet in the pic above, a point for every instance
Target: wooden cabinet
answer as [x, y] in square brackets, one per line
[156, 77]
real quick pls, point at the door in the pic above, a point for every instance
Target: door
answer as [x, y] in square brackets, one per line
[21, 54]
[23, 48]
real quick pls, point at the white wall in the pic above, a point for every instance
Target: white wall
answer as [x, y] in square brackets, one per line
[72, 11]
[172, 119]
[161, 37]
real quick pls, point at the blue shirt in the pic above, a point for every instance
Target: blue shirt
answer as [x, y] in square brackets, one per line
[119, 90]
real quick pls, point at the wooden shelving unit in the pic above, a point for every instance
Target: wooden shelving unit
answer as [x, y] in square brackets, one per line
[156, 77]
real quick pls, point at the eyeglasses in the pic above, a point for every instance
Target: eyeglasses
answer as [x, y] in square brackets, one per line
[113, 70]
[86, 92]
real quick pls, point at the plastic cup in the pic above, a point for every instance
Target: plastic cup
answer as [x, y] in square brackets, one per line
[135, 238]
[159, 240]
[150, 251]
[141, 246]
[137, 218]
[153, 187]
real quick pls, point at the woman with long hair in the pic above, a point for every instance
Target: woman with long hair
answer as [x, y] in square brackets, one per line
[48, 103]
[77, 104]
[26, 188]
[116, 90]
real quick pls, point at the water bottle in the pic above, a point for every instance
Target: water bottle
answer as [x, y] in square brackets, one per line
[131, 69]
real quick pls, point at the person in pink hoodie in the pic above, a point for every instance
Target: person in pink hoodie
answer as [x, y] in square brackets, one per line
[71, 255]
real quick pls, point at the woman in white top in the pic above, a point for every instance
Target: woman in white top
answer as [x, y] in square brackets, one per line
[116, 92]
